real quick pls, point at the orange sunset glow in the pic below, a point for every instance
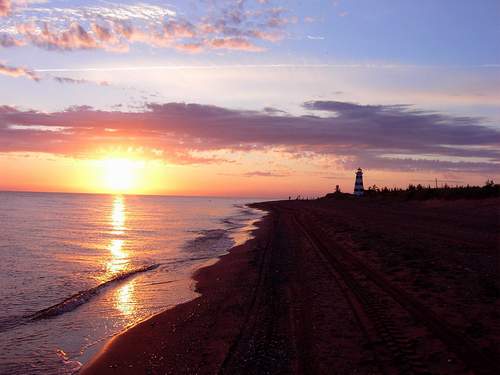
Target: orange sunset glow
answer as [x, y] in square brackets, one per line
[243, 98]
[135, 176]
[249, 187]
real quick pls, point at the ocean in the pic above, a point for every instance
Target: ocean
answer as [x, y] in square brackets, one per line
[76, 269]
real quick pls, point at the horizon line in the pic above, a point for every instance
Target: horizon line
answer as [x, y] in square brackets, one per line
[133, 194]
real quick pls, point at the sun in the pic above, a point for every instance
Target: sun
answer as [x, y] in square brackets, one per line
[120, 175]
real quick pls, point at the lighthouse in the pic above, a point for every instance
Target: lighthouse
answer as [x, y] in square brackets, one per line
[358, 185]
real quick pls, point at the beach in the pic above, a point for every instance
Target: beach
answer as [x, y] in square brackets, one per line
[93, 265]
[347, 286]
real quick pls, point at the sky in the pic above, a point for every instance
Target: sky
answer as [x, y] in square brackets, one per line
[260, 98]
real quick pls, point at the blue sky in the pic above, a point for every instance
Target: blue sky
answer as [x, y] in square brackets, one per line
[424, 32]
[266, 56]
[445, 47]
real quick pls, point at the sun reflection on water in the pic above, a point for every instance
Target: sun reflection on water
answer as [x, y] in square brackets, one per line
[118, 215]
[119, 259]
[125, 298]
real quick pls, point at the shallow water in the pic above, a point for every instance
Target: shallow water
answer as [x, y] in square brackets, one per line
[76, 269]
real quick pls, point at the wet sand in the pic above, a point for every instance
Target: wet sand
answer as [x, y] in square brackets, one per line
[336, 287]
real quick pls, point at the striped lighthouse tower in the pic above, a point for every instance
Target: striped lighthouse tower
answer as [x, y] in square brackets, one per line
[358, 185]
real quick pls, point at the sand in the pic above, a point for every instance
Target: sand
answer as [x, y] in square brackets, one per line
[336, 287]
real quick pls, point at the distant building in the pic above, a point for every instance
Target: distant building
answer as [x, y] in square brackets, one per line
[358, 185]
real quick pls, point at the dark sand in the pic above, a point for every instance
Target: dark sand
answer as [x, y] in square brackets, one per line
[336, 287]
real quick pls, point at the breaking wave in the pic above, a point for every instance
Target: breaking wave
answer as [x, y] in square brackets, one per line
[209, 243]
[71, 303]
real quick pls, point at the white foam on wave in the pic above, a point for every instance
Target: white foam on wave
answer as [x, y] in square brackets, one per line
[71, 303]
[69, 366]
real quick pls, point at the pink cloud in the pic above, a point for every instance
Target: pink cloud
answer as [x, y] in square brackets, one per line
[178, 29]
[353, 132]
[190, 47]
[103, 33]
[75, 37]
[5, 7]
[229, 26]
[16, 72]
[12, 71]
[270, 36]
[239, 44]
[7, 40]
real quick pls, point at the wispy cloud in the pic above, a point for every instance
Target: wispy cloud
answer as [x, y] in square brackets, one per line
[395, 137]
[79, 81]
[17, 72]
[12, 71]
[312, 37]
[234, 43]
[266, 174]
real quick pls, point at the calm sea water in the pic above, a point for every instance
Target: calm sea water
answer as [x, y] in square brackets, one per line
[76, 269]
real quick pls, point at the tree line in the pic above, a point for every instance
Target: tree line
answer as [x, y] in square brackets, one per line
[421, 192]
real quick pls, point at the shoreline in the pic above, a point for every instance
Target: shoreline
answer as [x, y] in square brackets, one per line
[359, 286]
[110, 358]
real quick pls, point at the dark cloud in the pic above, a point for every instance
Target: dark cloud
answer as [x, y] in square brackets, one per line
[266, 174]
[257, 174]
[79, 81]
[373, 136]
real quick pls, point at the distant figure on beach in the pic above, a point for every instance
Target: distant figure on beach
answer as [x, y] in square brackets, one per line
[358, 184]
